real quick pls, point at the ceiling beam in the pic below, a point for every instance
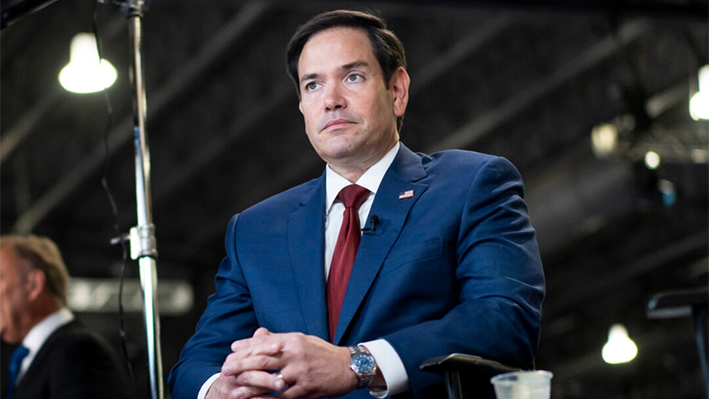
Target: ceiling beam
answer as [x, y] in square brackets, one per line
[222, 143]
[28, 121]
[478, 128]
[459, 51]
[121, 134]
[583, 288]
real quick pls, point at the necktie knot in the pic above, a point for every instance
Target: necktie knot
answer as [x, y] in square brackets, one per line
[353, 196]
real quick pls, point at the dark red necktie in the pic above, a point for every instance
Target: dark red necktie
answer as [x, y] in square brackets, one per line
[352, 196]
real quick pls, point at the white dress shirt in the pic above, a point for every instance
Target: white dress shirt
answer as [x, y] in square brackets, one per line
[39, 334]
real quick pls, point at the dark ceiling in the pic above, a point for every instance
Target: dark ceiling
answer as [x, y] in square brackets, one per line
[524, 80]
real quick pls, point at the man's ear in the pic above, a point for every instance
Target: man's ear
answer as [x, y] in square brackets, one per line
[399, 87]
[36, 281]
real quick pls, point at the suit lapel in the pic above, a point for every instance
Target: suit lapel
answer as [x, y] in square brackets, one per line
[392, 211]
[307, 223]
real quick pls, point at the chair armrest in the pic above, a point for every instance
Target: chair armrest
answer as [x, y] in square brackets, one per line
[474, 370]
[463, 363]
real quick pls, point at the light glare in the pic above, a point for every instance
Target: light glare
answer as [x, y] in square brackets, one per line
[699, 106]
[84, 73]
[619, 348]
[604, 138]
[699, 103]
[652, 160]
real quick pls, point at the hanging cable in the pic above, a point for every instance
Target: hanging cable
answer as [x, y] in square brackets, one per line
[114, 209]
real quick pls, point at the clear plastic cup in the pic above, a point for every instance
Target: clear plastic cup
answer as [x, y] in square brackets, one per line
[523, 385]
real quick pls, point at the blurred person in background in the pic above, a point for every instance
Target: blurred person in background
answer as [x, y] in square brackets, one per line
[57, 356]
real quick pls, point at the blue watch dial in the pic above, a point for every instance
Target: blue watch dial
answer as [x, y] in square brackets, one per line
[363, 362]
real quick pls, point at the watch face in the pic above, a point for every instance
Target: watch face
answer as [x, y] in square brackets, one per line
[363, 363]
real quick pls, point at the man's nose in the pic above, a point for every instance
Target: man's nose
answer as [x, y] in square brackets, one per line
[334, 98]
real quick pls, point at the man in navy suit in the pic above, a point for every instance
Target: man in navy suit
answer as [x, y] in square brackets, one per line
[60, 357]
[447, 260]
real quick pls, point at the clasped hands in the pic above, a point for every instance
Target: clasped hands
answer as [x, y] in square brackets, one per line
[294, 365]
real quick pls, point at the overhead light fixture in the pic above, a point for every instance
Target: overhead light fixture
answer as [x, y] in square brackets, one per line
[652, 160]
[699, 103]
[619, 348]
[85, 73]
[612, 138]
[604, 138]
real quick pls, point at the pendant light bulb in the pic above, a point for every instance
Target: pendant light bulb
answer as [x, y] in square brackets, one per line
[85, 73]
[619, 348]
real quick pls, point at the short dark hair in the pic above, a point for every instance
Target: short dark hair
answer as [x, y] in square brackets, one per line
[387, 48]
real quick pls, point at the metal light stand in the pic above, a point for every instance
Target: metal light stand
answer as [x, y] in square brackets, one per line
[142, 237]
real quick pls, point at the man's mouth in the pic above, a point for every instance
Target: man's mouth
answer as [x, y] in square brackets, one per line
[337, 123]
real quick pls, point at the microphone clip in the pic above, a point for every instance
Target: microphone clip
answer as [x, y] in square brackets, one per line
[373, 224]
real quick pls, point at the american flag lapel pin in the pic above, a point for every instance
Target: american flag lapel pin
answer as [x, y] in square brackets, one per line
[406, 194]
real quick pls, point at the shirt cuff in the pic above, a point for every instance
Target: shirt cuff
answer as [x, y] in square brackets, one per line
[391, 366]
[207, 384]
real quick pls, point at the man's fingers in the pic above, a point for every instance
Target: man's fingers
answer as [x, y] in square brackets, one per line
[235, 364]
[249, 393]
[264, 381]
[251, 384]
[256, 346]
[263, 342]
[293, 392]
[261, 331]
[228, 387]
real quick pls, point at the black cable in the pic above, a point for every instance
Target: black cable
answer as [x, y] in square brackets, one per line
[114, 209]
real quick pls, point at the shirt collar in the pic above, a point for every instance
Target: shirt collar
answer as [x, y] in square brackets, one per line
[39, 333]
[371, 179]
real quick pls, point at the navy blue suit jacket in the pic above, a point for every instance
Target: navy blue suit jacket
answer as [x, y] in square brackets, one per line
[453, 268]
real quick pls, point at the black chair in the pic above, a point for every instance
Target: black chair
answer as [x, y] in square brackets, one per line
[472, 367]
[684, 303]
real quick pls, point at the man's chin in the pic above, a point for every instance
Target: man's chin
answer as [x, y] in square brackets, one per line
[337, 150]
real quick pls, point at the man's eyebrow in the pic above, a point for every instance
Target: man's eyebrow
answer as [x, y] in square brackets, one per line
[309, 76]
[355, 64]
[346, 67]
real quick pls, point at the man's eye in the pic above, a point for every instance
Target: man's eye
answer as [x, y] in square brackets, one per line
[311, 86]
[354, 77]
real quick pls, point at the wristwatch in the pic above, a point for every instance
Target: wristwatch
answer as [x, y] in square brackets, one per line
[363, 364]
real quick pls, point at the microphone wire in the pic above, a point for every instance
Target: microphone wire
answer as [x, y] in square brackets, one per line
[114, 209]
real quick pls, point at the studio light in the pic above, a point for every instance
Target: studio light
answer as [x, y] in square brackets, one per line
[699, 103]
[619, 348]
[84, 73]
